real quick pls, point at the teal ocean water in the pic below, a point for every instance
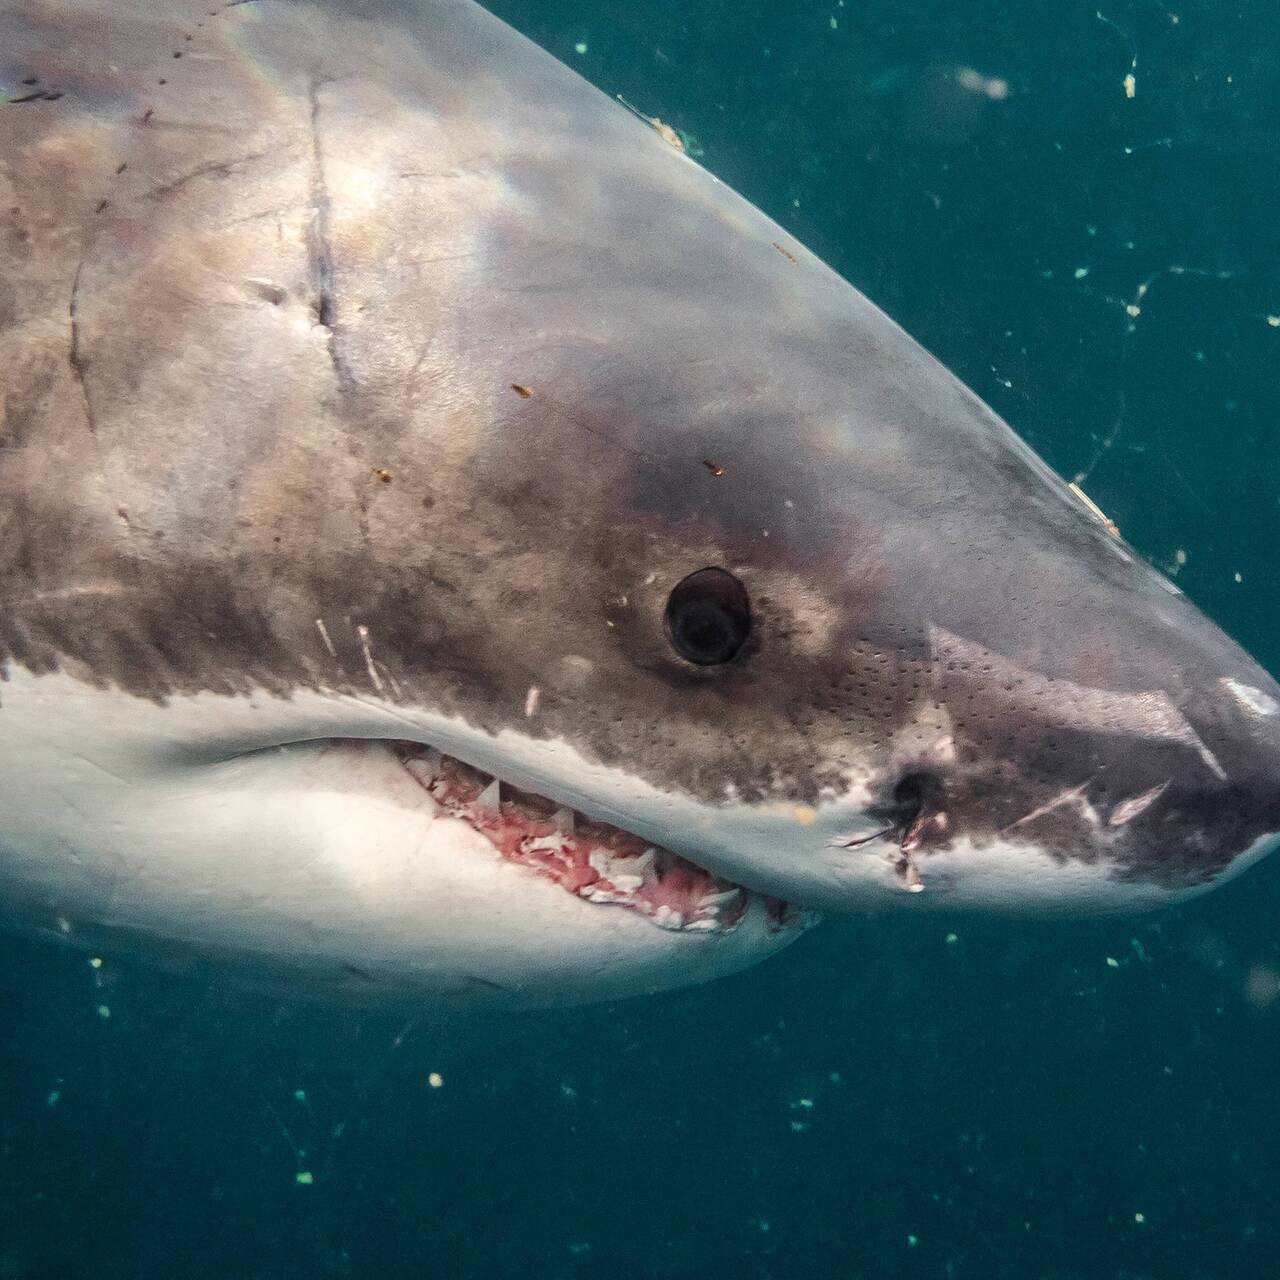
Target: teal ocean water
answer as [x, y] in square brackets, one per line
[1079, 212]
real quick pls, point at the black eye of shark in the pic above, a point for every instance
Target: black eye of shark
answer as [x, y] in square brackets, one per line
[708, 617]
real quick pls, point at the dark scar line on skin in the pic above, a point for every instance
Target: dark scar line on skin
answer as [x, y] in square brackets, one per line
[319, 249]
[219, 167]
[75, 357]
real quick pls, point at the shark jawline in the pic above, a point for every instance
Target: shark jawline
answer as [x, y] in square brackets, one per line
[595, 861]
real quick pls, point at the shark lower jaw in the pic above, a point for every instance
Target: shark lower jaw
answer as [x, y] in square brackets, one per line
[592, 860]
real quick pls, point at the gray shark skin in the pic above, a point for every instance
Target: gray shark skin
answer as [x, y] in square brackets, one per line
[368, 377]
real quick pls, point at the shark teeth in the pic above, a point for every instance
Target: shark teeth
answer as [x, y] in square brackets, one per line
[666, 917]
[593, 860]
[714, 901]
[489, 801]
[644, 864]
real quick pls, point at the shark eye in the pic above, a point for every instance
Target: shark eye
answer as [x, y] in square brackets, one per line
[708, 617]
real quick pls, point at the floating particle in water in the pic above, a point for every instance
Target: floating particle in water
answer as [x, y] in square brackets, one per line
[104, 1011]
[1262, 986]
[580, 47]
[304, 1177]
[994, 87]
[1112, 962]
[952, 939]
[52, 1099]
[435, 1080]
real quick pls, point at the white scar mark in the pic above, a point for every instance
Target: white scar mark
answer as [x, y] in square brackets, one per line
[74, 592]
[1251, 699]
[1073, 795]
[372, 667]
[324, 635]
[531, 700]
[1129, 809]
[1150, 714]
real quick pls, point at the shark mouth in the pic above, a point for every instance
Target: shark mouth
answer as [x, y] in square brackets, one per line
[592, 860]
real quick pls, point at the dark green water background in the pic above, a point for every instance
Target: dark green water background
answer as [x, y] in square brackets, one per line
[1026, 1100]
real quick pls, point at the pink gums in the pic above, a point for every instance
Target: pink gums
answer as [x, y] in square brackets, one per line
[595, 861]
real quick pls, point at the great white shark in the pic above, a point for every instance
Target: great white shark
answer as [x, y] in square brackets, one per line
[449, 541]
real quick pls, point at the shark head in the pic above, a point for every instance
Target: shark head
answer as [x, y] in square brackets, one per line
[451, 541]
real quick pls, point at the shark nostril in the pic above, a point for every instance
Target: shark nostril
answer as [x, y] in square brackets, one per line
[917, 792]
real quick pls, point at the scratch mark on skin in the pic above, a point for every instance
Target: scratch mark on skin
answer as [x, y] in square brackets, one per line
[372, 667]
[75, 592]
[75, 357]
[1127, 810]
[324, 635]
[1072, 795]
[219, 167]
[363, 632]
[319, 249]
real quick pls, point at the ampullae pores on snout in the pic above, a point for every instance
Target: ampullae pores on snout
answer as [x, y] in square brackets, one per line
[450, 540]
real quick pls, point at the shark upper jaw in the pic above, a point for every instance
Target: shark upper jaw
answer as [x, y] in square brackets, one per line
[596, 861]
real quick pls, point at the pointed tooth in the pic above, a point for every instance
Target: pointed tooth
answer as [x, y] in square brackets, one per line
[644, 864]
[666, 917]
[626, 884]
[489, 801]
[711, 901]
[563, 821]
[420, 771]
